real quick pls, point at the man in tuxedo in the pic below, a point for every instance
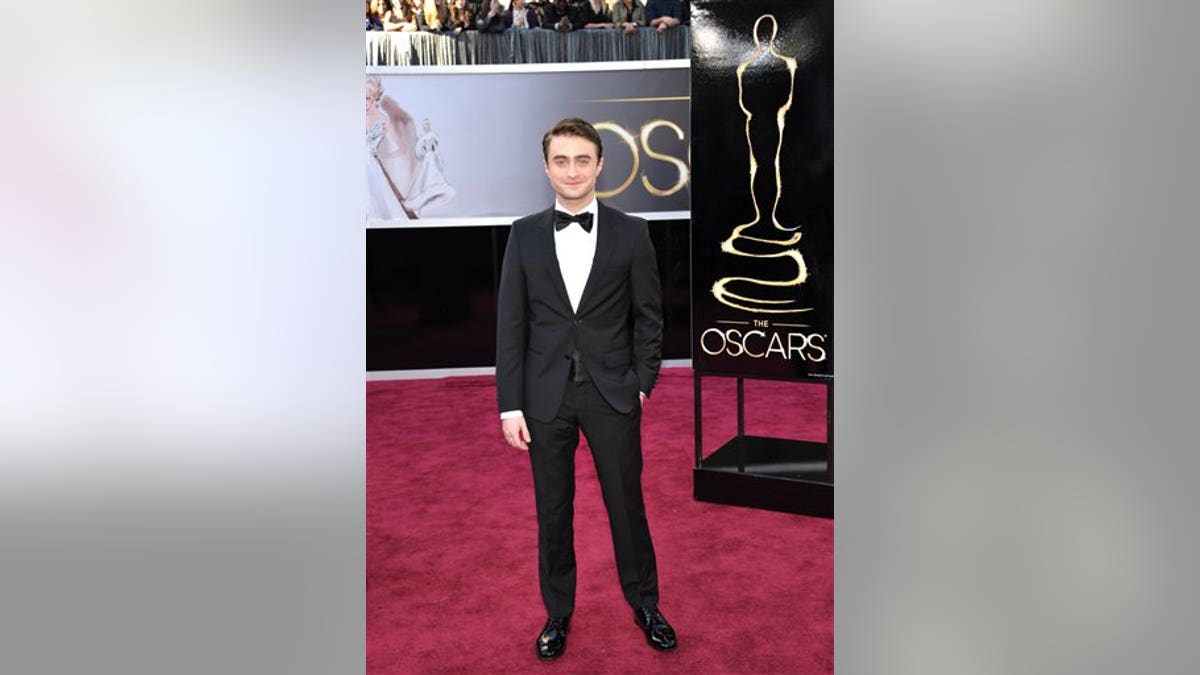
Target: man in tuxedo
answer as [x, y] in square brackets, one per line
[579, 342]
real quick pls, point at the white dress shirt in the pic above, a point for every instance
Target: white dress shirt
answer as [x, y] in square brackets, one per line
[576, 249]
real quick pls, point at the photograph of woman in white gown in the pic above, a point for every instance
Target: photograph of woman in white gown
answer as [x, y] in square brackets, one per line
[390, 160]
[405, 173]
[429, 186]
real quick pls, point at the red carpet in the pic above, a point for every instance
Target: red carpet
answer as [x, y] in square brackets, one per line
[452, 542]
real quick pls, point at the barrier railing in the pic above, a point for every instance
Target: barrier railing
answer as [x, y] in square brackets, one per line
[525, 46]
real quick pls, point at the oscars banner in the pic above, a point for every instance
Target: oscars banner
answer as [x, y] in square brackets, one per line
[462, 145]
[762, 199]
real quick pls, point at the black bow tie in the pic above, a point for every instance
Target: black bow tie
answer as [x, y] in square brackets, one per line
[562, 220]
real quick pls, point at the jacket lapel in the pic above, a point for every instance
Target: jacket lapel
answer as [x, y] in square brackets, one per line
[606, 242]
[550, 255]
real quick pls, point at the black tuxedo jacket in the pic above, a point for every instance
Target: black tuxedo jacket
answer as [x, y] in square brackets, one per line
[617, 329]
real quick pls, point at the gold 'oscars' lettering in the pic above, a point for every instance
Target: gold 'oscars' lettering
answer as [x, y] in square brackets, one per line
[679, 165]
[812, 343]
[776, 346]
[733, 342]
[798, 349]
[627, 139]
[786, 346]
[746, 344]
[704, 341]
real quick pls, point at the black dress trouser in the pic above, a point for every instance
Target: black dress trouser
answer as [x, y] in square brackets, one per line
[616, 445]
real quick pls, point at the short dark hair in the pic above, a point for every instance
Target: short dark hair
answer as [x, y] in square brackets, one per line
[572, 126]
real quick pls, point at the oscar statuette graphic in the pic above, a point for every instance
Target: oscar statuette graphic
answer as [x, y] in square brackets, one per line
[775, 265]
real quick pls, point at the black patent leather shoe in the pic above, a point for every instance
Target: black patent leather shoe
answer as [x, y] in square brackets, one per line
[553, 639]
[659, 633]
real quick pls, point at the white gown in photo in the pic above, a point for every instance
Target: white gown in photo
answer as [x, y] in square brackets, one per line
[382, 203]
[429, 186]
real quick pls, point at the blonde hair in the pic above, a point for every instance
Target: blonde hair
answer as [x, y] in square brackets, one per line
[374, 87]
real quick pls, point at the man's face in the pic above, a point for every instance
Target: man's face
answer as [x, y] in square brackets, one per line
[572, 166]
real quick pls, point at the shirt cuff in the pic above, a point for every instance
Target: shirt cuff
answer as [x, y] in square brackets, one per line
[509, 414]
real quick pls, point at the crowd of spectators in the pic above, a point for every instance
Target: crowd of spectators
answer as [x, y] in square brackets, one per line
[497, 16]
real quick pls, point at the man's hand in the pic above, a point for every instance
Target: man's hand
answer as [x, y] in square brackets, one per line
[642, 399]
[516, 433]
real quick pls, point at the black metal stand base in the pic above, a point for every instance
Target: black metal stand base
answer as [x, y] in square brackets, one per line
[775, 474]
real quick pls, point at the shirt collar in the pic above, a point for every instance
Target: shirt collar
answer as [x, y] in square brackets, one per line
[592, 208]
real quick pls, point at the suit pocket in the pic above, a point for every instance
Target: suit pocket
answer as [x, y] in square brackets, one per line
[618, 358]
